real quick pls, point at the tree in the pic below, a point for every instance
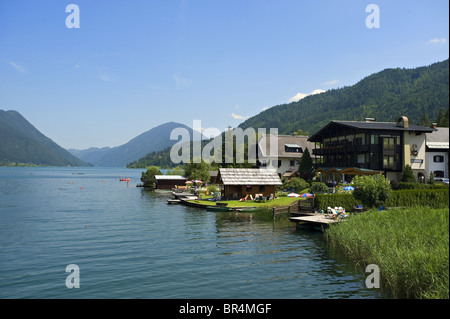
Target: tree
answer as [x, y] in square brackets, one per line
[408, 175]
[148, 177]
[431, 179]
[318, 187]
[442, 118]
[295, 184]
[199, 171]
[425, 121]
[306, 167]
[372, 191]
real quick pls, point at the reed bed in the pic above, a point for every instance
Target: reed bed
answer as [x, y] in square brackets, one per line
[410, 247]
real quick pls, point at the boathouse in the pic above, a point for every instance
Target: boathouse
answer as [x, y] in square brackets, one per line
[169, 181]
[237, 183]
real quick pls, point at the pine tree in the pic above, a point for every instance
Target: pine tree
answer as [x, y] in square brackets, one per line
[306, 167]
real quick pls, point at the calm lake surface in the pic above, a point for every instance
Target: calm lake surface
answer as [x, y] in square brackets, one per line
[128, 243]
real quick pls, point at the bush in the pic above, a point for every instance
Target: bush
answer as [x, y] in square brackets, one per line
[347, 201]
[318, 188]
[403, 185]
[408, 175]
[372, 191]
[434, 198]
[296, 184]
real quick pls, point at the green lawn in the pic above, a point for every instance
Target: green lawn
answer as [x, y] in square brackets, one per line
[280, 201]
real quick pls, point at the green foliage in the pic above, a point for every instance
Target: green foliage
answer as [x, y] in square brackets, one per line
[318, 188]
[410, 246]
[197, 171]
[442, 119]
[416, 185]
[306, 167]
[408, 175]
[433, 198]
[384, 96]
[347, 201]
[296, 184]
[372, 191]
[148, 177]
[431, 179]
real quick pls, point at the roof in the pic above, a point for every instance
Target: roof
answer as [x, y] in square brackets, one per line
[370, 126]
[248, 176]
[291, 141]
[170, 177]
[439, 139]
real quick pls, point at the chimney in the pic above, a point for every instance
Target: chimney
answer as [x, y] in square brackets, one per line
[433, 125]
[403, 122]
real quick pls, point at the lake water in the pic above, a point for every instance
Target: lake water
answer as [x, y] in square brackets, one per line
[128, 243]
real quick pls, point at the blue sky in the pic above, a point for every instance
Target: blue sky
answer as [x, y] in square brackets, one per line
[133, 65]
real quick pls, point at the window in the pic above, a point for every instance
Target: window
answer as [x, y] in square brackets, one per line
[438, 173]
[248, 189]
[438, 159]
[388, 162]
[388, 143]
[262, 188]
[292, 163]
[374, 139]
[293, 148]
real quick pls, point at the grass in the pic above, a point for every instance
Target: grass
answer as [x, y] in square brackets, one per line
[280, 201]
[410, 246]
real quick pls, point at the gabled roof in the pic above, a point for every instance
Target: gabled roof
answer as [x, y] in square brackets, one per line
[291, 141]
[370, 126]
[170, 177]
[248, 176]
[439, 139]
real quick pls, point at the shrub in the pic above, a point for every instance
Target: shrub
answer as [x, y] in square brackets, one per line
[434, 198]
[347, 201]
[408, 175]
[318, 187]
[372, 191]
[296, 184]
[403, 185]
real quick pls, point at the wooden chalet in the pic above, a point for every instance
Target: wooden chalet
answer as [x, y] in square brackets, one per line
[240, 182]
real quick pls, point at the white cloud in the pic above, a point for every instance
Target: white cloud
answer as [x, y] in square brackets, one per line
[181, 82]
[438, 41]
[332, 82]
[18, 67]
[238, 117]
[300, 96]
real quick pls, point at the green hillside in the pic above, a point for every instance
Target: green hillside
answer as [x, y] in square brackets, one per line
[385, 96]
[21, 142]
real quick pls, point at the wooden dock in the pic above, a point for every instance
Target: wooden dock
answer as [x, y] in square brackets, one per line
[316, 220]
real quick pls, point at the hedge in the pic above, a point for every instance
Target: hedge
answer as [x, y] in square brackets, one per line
[403, 185]
[434, 198]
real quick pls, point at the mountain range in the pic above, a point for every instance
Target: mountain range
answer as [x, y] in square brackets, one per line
[419, 93]
[21, 142]
[153, 140]
[385, 95]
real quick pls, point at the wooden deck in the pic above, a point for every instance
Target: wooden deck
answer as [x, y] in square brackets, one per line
[314, 220]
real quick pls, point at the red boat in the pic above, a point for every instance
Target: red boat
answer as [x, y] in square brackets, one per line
[124, 179]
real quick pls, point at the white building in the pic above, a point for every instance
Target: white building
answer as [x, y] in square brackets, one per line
[437, 147]
[286, 156]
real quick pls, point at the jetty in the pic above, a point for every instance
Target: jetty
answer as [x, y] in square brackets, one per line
[315, 220]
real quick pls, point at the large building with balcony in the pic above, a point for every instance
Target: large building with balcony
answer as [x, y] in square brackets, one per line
[348, 148]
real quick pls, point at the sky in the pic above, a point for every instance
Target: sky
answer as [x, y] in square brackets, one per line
[128, 66]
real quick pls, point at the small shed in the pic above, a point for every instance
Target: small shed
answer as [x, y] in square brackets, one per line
[240, 182]
[169, 181]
